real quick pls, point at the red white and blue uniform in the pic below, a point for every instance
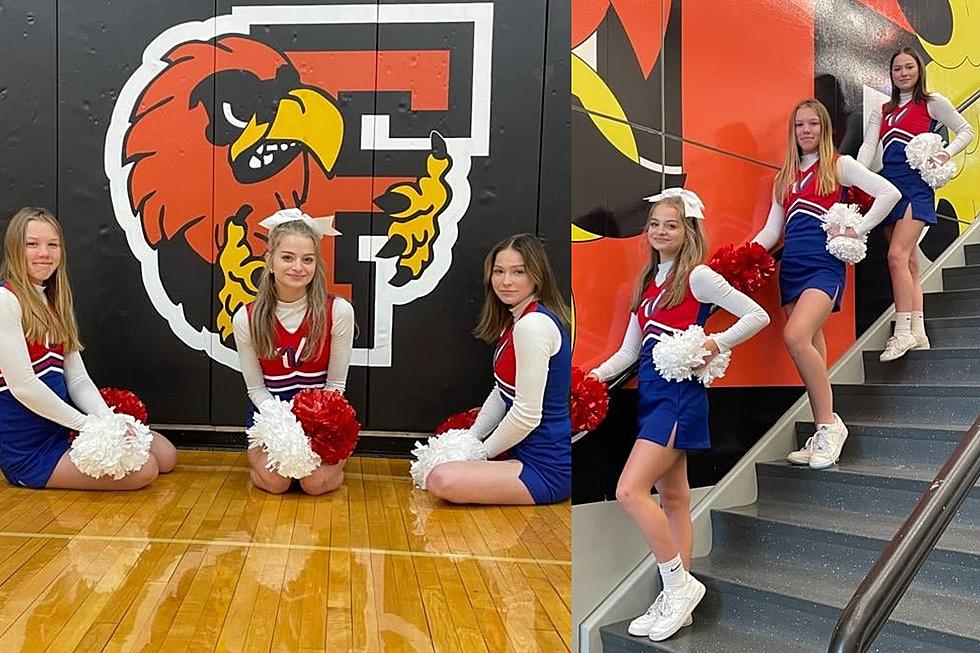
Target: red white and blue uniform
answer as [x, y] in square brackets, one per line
[898, 127]
[30, 445]
[663, 403]
[546, 452]
[286, 374]
[806, 263]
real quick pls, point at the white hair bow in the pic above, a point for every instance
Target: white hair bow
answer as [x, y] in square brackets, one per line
[693, 206]
[321, 226]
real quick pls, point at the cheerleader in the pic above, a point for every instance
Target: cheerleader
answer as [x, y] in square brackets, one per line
[674, 292]
[811, 280]
[295, 335]
[911, 111]
[526, 416]
[45, 391]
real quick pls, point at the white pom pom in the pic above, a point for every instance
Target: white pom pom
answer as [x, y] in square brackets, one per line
[111, 445]
[938, 176]
[850, 250]
[715, 369]
[676, 356]
[280, 435]
[919, 153]
[846, 248]
[452, 446]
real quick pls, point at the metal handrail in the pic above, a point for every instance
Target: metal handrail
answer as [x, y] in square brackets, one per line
[883, 587]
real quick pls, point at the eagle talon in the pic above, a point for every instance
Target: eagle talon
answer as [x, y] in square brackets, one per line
[414, 209]
[438, 144]
[395, 246]
[402, 276]
[392, 202]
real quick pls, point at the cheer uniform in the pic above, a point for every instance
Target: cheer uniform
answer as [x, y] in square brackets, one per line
[892, 131]
[806, 263]
[38, 384]
[665, 404]
[285, 375]
[528, 411]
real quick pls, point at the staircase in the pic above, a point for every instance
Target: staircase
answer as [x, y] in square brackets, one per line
[781, 570]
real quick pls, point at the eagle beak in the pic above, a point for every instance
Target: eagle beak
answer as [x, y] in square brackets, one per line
[305, 116]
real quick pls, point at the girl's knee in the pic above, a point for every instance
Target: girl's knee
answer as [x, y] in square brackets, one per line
[442, 483]
[272, 483]
[144, 475]
[674, 499]
[627, 494]
[166, 457]
[796, 339]
[900, 258]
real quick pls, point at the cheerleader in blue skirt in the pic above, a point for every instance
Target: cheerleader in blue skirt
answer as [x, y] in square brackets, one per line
[811, 280]
[909, 112]
[674, 292]
[526, 418]
[45, 391]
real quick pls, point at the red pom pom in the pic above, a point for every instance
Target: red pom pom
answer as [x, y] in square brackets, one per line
[125, 402]
[329, 422]
[462, 420]
[590, 401]
[857, 196]
[747, 268]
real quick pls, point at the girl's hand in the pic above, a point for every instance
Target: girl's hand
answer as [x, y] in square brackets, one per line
[713, 351]
[593, 375]
[836, 231]
[938, 159]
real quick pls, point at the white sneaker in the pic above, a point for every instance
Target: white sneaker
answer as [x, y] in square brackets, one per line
[642, 624]
[827, 444]
[675, 609]
[897, 346]
[802, 457]
[921, 341]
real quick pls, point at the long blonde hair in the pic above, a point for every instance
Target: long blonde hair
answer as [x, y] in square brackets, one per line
[827, 155]
[693, 251]
[262, 325]
[54, 319]
[496, 315]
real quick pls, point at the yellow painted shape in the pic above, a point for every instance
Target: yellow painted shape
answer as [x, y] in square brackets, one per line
[417, 223]
[237, 266]
[955, 72]
[580, 235]
[598, 98]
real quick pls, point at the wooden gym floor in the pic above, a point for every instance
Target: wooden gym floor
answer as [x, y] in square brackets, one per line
[203, 561]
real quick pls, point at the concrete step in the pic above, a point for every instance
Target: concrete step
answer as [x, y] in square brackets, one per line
[891, 443]
[952, 303]
[937, 405]
[865, 487]
[788, 531]
[951, 332]
[936, 365]
[961, 278]
[972, 253]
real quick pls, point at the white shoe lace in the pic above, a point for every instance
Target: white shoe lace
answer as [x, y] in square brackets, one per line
[655, 606]
[820, 439]
[808, 447]
[664, 605]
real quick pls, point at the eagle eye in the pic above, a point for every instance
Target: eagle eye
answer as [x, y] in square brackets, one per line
[230, 116]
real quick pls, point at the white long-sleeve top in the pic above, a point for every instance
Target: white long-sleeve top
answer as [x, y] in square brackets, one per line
[939, 109]
[291, 315]
[849, 173]
[27, 388]
[709, 287]
[536, 340]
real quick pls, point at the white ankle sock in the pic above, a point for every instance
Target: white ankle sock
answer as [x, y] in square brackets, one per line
[918, 323]
[673, 574]
[903, 323]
